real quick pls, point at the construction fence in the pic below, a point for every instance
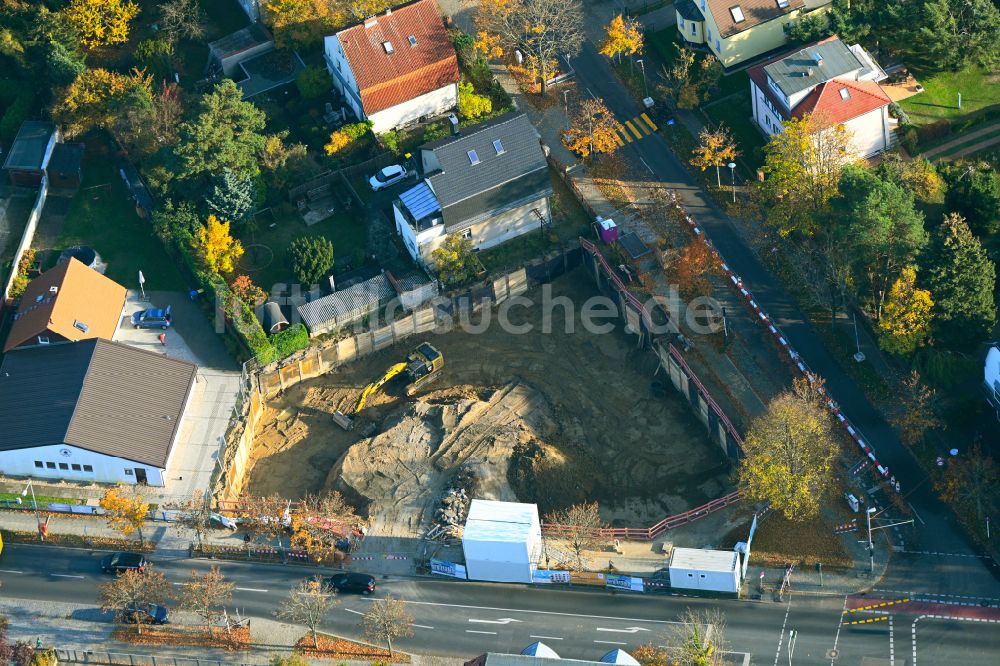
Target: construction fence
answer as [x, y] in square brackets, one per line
[128, 659]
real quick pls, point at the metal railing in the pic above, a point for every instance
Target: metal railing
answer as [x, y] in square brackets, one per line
[129, 659]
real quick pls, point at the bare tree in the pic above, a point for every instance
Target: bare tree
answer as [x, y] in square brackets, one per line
[131, 590]
[699, 640]
[320, 521]
[264, 518]
[580, 525]
[387, 619]
[205, 595]
[308, 603]
[193, 514]
[182, 19]
[541, 30]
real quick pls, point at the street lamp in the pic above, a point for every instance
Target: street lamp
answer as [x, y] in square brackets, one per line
[642, 66]
[871, 546]
[732, 173]
[34, 505]
[566, 106]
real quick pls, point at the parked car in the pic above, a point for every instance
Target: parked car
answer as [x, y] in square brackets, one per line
[146, 614]
[387, 177]
[119, 562]
[351, 582]
[152, 318]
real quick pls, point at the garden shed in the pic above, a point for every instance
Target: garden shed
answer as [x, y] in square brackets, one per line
[502, 541]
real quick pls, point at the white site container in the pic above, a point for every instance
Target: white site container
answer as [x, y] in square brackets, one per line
[502, 541]
[709, 570]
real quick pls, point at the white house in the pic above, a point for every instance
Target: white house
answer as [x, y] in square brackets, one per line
[826, 79]
[91, 410]
[490, 184]
[397, 67]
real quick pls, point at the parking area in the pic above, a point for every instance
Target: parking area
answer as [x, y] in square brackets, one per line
[190, 338]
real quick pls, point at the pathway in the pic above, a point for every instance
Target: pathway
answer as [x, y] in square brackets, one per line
[946, 150]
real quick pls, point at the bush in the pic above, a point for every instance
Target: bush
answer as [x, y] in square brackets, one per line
[896, 111]
[355, 131]
[390, 140]
[21, 280]
[435, 131]
[471, 105]
[310, 257]
[9, 90]
[15, 114]
[313, 82]
[44, 658]
[933, 131]
[156, 56]
[908, 138]
[290, 340]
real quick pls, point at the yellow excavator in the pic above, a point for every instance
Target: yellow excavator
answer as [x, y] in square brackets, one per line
[421, 367]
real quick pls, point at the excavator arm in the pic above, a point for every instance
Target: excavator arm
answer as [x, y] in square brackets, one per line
[376, 385]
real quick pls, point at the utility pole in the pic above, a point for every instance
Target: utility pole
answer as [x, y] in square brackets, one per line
[732, 174]
[566, 106]
[871, 546]
[34, 505]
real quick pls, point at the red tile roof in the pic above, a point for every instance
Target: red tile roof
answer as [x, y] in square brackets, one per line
[827, 100]
[387, 79]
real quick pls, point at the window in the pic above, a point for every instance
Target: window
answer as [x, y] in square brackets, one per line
[681, 23]
[737, 13]
[845, 94]
[498, 146]
[63, 466]
[702, 4]
[473, 157]
[88, 468]
[79, 325]
[708, 33]
[76, 468]
[388, 47]
[50, 465]
[38, 464]
[43, 339]
[412, 40]
[718, 46]
[694, 28]
[128, 472]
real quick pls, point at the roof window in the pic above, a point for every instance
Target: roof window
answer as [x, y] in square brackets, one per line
[845, 94]
[782, 4]
[388, 47]
[498, 146]
[473, 157]
[412, 39]
[54, 289]
[737, 14]
[79, 325]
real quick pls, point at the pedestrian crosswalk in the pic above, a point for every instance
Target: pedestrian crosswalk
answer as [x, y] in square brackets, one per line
[635, 129]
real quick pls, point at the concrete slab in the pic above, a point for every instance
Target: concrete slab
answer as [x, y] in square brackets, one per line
[191, 339]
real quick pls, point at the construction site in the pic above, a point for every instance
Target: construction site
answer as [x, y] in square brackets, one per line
[540, 417]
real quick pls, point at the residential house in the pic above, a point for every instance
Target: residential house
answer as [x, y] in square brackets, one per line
[69, 302]
[397, 67]
[490, 183]
[740, 30]
[92, 410]
[826, 79]
[30, 153]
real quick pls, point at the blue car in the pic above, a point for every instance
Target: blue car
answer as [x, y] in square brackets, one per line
[159, 318]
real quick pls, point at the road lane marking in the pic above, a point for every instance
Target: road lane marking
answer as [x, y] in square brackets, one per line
[611, 642]
[630, 630]
[618, 140]
[353, 611]
[892, 647]
[648, 121]
[541, 612]
[631, 128]
[66, 575]
[548, 638]
[10, 571]
[421, 626]
[781, 636]
[251, 589]
[647, 166]
[836, 638]
[473, 631]
[503, 620]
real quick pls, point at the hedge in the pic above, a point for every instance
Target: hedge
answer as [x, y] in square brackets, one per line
[290, 340]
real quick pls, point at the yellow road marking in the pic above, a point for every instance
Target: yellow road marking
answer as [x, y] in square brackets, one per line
[631, 127]
[642, 126]
[618, 140]
[648, 121]
[881, 605]
[868, 621]
[626, 135]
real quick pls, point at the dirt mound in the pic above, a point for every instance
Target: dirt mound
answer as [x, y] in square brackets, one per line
[423, 444]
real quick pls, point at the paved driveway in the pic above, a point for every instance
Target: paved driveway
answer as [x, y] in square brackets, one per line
[191, 339]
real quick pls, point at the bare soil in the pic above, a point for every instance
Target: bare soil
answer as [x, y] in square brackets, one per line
[554, 418]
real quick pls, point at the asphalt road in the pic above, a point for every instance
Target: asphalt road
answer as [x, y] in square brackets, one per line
[464, 619]
[935, 528]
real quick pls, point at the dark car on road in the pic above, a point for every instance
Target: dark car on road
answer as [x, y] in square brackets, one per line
[119, 562]
[154, 318]
[146, 614]
[351, 582]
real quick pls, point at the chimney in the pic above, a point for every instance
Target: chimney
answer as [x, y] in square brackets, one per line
[809, 71]
[453, 122]
[388, 11]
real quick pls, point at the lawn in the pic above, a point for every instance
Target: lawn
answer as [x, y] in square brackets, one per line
[939, 101]
[347, 230]
[103, 217]
[735, 112]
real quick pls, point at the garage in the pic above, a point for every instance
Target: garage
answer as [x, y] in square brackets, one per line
[502, 541]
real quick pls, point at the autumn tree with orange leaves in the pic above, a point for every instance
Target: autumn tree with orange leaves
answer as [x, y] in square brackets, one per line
[594, 130]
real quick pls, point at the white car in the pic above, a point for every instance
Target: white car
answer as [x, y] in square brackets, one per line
[387, 177]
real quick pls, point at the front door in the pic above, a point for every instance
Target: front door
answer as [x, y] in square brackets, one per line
[140, 475]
